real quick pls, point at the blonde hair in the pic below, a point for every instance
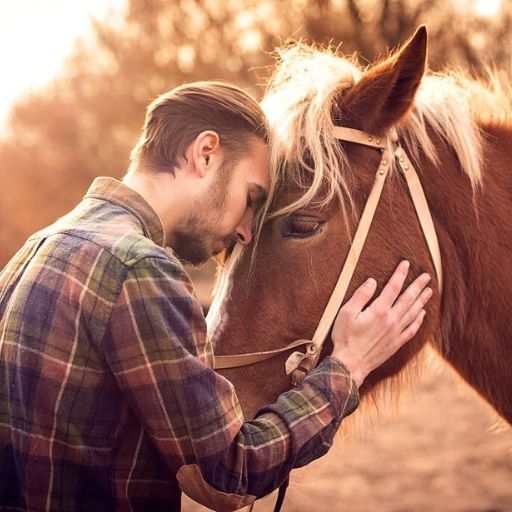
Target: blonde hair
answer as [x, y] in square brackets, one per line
[299, 103]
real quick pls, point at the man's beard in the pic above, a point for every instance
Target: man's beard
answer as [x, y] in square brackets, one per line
[191, 243]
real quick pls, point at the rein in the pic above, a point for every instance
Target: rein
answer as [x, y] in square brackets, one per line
[299, 363]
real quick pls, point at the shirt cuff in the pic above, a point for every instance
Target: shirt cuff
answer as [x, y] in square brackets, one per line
[333, 379]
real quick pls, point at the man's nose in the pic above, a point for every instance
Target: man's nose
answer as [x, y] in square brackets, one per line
[243, 231]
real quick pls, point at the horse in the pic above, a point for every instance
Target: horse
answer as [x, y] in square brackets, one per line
[457, 132]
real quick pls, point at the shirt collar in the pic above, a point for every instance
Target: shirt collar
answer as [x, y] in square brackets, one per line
[114, 191]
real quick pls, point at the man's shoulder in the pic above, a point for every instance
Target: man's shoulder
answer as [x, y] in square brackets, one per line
[127, 248]
[109, 241]
[118, 236]
[103, 265]
[131, 247]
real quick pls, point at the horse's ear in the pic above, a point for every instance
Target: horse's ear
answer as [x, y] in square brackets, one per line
[386, 91]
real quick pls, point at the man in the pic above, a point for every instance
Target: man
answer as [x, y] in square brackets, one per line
[107, 396]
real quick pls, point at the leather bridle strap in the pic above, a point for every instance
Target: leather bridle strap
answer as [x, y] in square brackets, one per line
[313, 346]
[423, 212]
[413, 182]
[299, 363]
[234, 361]
[340, 290]
[359, 137]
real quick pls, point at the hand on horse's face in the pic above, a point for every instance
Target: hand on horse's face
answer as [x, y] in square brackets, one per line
[365, 338]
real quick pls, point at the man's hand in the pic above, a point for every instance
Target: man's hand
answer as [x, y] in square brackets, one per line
[365, 338]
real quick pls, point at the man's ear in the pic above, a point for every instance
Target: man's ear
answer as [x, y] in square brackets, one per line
[385, 93]
[206, 151]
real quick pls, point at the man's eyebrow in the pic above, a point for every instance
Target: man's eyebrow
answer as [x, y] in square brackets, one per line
[261, 193]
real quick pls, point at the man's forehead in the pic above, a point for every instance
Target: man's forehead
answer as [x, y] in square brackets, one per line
[261, 162]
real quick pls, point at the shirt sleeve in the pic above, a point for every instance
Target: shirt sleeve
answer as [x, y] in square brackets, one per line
[156, 345]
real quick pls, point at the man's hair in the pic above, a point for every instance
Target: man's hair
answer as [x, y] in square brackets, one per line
[176, 118]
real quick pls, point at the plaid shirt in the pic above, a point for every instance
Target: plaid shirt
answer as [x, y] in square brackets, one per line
[107, 396]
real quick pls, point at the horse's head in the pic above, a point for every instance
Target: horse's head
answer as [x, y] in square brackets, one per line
[277, 293]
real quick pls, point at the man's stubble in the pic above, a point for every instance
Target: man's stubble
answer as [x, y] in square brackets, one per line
[192, 243]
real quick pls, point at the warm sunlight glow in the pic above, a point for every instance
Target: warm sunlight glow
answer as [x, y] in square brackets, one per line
[487, 7]
[36, 37]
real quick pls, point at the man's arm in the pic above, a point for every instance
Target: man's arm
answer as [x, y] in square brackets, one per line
[156, 345]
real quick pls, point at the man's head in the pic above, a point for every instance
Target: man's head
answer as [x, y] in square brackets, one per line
[205, 145]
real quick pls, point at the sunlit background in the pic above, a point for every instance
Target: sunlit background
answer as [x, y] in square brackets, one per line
[37, 36]
[76, 76]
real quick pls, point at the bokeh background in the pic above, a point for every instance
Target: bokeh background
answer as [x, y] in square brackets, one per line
[76, 76]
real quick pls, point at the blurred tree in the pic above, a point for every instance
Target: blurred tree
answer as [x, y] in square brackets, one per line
[85, 123]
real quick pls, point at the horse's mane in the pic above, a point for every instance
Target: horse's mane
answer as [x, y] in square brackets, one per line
[298, 103]
[299, 100]
[304, 152]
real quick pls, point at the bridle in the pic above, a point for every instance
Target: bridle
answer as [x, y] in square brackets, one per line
[299, 363]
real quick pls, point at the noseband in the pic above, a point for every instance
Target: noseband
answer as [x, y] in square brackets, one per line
[299, 363]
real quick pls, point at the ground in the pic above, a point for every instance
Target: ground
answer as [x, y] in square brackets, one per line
[443, 450]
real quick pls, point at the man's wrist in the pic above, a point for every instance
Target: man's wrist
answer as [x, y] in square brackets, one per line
[356, 372]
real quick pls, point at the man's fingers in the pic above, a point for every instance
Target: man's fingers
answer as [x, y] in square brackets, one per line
[416, 308]
[410, 331]
[412, 292]
[393, 287]
[361, 297]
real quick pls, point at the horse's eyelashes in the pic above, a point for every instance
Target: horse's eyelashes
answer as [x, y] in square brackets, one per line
[304, 227]
[298, 227]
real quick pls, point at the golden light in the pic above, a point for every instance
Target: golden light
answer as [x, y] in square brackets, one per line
[487, 8]
[36, 38]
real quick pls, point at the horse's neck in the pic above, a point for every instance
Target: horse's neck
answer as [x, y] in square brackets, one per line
[475, 235]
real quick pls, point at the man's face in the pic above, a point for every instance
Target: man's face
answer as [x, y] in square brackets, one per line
[225, 212]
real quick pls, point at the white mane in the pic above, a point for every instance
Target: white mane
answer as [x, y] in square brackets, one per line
[298, 104]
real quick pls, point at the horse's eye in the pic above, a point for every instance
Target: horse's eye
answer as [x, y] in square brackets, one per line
[301, 227]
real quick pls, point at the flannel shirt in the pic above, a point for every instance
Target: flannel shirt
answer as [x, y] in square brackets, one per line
[108, 400]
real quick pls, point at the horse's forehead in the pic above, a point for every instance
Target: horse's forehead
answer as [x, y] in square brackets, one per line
[286, 195]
